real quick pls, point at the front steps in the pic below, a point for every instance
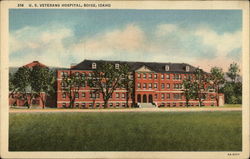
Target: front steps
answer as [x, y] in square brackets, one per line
[147, 105]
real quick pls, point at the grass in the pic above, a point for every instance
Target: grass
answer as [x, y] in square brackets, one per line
[136, 131]
[232, 106]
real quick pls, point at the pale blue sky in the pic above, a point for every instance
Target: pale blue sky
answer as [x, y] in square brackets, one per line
[59, 37]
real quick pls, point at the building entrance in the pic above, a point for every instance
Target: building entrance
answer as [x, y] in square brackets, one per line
[150, 98]
[139, 98]
[144, 98]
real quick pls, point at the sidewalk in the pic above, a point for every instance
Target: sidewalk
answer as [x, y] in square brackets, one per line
[124, 110]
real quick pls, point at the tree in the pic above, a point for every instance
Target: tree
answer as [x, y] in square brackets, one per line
[71, 84]
[128, 83]
[200, 81]
[42, 80]
[21, 84]
[189, 90]
[12, 87]
[232, 92]
[106, 79]
[216, 80]
[233, 89]
[233, 72]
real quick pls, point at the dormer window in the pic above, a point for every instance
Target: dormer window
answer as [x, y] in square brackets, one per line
[116, 66]
[93, 65]
[187, 68]
[166, 67]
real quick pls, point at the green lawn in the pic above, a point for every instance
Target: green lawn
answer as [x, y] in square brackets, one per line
[232, 106]
[133, 131]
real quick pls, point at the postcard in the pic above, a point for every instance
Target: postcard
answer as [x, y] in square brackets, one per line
[124, 79]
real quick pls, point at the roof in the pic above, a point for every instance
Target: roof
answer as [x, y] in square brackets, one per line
[154, 66]
[34, 63]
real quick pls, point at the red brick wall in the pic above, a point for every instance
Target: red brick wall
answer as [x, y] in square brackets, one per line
[157, 92]
[87, 100]
[142, 91]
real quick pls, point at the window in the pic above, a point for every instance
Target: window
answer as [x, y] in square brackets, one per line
[155, 76]
[156, 96]
[150, 76]
[77, 105]
[150, 85]
[64, 74]
[162, 76]
[90, 105]
[177, 86]
[168, 96]
[83, 105]
[83, 84]
[174, 104]
[168, 85]
[166, 67]
[77, 95]
[117, 104]
[92, 95]
[138, 75]
[116, 66]
[162, 86]
[168, 76]
[155, 85]
[177, 76]
[77, 74]
[123, 95]
[117, 95]
[138, 85]
[64, 105]
[64, 95]
[144, 85]
[168, 104]
[180, 86]
[64, 84]
[83, 95]
[177, 96]
[90, 74]
[93, 65]
[111, 105]
[83, 75]
[123, 104]
[187, 68]
[203, 96]
[162, 96]
[189, 77]
[97, 105]
[97, 95]
[144, 76]
[212, 97]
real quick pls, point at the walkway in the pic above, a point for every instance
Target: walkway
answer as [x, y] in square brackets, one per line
[124, 110]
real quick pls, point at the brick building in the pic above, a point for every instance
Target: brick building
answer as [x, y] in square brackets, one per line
[15, 99]
[159, 84]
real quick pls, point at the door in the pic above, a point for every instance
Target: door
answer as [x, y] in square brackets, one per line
[139, 98]
[144, 98]
[150, 98]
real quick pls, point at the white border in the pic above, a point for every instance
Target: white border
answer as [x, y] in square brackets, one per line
[244, 5]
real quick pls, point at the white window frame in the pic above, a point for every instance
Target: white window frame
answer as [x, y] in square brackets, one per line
[93, 65]
[166, 67]
[155, 85]
[117, 66]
